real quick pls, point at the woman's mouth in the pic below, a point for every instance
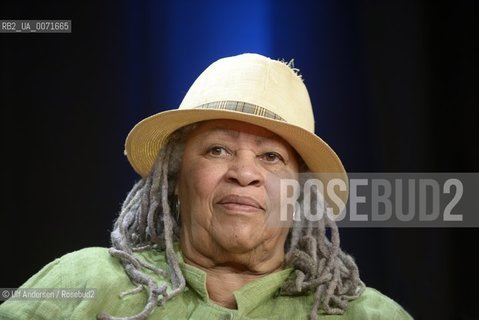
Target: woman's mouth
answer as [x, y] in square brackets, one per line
[240, 204]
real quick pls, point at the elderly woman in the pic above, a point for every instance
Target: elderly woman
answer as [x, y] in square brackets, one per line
[198, 236]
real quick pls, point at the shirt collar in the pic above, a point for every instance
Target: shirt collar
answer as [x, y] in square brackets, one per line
[248, 297]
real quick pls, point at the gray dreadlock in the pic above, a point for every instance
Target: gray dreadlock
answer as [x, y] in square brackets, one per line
[146, 222]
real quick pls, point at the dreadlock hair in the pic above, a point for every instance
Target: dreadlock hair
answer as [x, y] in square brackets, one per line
[146, 222]
[320, 266]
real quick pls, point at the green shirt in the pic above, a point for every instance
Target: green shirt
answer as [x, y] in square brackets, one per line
[96, 268]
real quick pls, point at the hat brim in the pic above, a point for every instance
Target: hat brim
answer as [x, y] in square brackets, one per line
[145, 140]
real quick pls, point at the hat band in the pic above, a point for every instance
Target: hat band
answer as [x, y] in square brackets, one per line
[241, 107]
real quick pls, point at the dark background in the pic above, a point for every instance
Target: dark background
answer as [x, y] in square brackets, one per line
[394, 85]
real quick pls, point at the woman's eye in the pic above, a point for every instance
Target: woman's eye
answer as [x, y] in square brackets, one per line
[272, 157]
[217, 151]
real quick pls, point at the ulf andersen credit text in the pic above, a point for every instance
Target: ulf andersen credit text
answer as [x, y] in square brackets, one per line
[47, 293]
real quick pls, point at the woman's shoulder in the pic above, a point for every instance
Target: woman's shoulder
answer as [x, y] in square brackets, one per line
[98, 256]
[97, 263]
[76, 269]
[84, 256]
[370, 304]
[91, 269]
[373, 304]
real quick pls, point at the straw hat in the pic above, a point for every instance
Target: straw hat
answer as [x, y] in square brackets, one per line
[247, 87]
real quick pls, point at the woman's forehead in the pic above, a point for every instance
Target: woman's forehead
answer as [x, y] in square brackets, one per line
[233, 128]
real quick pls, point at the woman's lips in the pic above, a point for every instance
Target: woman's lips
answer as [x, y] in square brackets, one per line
[238, 203]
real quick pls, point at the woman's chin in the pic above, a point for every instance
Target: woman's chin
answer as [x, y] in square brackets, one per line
[239, 245]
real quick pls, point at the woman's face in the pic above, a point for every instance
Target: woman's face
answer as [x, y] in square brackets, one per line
[229, 189]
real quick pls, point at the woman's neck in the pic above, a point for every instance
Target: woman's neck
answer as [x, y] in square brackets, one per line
[222, 281]
[228, 270]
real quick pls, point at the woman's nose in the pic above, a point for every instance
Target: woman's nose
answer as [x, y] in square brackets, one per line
[245, 170]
